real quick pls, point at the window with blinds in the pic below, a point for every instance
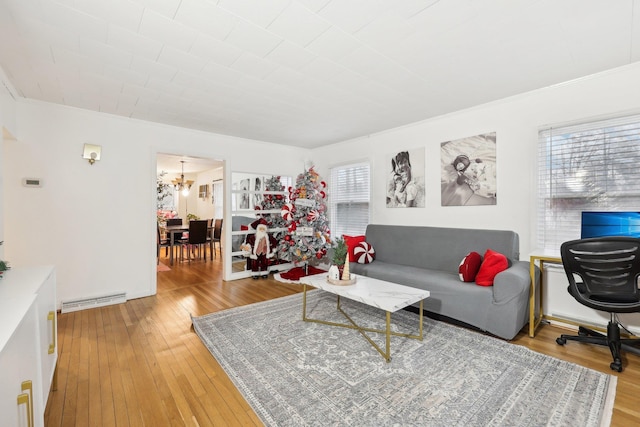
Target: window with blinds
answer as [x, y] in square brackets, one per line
[586, 167]
[217, 199]
[349, 199]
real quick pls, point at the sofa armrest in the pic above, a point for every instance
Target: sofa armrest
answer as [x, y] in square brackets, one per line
[512, 282]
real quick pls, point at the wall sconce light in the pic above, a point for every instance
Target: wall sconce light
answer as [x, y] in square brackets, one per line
[91, 153]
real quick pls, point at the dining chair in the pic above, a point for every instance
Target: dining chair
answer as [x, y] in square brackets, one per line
[162, 243]
[215, 237]
[210, 223]
[197, 238]
[174, 221]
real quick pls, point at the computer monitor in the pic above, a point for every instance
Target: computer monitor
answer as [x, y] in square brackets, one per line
[599, 224]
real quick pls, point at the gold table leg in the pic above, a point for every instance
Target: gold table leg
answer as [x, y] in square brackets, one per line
[533, 322]
[387, 354]
[362, 330]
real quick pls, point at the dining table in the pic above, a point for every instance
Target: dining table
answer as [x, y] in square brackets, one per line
[172, 231]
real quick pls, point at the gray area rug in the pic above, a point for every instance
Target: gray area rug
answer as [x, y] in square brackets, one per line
[296, 373]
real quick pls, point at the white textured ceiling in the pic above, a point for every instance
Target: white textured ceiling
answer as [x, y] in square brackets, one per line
[304, 72]
[171, 163]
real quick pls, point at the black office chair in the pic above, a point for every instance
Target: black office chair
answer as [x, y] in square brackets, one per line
[603, 274]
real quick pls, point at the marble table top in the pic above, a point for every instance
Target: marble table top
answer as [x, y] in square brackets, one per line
[385, 295]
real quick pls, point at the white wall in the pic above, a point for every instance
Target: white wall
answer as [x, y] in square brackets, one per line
[96, 224]
[516, 121]
[205, 209]
[7, 129]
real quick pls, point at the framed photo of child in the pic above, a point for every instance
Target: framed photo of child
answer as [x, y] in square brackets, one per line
[468, 171]
[405, 183]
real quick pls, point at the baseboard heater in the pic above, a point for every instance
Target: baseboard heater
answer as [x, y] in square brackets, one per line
[575, 322]
[82, 304]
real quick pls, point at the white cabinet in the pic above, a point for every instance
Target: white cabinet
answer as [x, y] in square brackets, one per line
[20, 383]
[28, 347]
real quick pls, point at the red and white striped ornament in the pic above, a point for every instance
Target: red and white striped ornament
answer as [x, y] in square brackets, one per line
[287, 212]
[364, 253]
[313, 215]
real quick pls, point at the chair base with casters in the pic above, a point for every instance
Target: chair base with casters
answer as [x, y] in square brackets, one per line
[611, 339]
[604, 274]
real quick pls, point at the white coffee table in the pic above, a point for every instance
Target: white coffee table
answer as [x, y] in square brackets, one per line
[387, 296]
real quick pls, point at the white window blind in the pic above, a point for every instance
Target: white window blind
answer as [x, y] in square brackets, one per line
[591, 166]
[217, 198]
[349, 199]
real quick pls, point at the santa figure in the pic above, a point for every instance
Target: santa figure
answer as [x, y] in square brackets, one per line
[260, 248]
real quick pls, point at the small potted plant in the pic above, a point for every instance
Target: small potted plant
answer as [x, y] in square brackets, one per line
[339, 254]
[192, 217]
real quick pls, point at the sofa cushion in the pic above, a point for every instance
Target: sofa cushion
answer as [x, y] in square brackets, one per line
[364, 253]
[469, 267]
[351, 242]
[493, 263]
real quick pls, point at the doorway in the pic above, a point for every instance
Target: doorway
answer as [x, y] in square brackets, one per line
[187, 188]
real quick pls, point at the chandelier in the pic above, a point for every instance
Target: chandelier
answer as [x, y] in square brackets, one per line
[181, 184]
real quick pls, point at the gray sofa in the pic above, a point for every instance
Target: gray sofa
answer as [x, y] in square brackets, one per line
[429, 257]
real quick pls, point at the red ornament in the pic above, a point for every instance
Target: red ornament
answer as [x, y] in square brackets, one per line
[323, 194]
[291, 243]
[319, 255]
[324, 184]
[287, 237]
[279, 196]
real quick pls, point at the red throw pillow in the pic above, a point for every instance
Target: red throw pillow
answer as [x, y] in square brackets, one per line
[364, 253]
[469, 267]
[351, 242]
[493, 264]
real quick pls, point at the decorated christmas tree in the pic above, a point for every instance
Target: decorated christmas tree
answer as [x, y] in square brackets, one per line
[308, 234]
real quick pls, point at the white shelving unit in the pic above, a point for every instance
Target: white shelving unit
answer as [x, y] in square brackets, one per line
[243, 198]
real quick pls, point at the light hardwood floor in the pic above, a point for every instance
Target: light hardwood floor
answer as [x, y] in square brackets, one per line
[141, 364]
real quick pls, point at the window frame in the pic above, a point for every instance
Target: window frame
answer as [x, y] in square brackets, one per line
[337, 229]
[586, 177]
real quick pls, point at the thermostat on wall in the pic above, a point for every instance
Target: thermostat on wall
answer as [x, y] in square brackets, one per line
[32, 182]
